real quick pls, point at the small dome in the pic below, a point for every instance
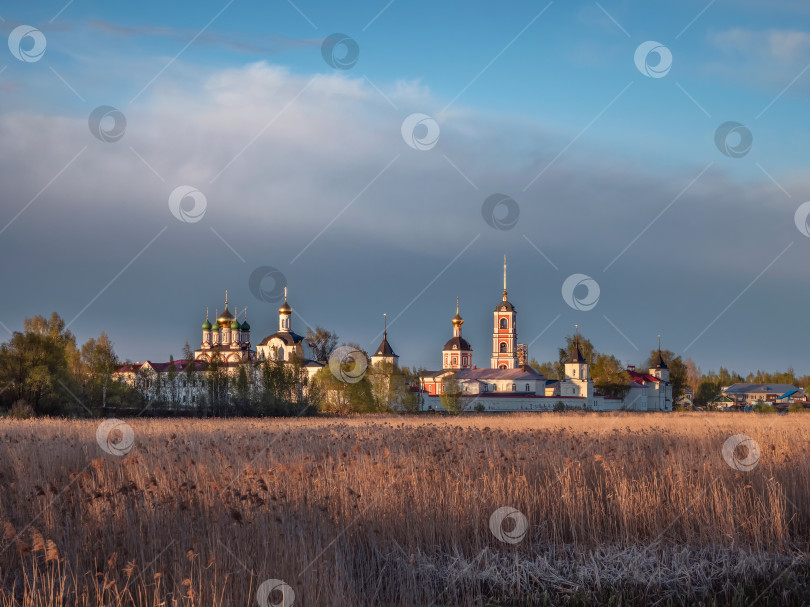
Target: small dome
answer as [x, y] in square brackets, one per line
[245, 326]
[235, 326]
[285, 308]
[206, 325]
[215, 327]
[457, 320]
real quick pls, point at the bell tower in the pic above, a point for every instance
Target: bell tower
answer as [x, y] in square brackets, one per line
[504, 334]
[457, 353]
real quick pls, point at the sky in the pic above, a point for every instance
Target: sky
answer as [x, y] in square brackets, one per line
[642, 165]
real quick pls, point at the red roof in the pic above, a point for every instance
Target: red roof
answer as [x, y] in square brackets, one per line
[641, 378]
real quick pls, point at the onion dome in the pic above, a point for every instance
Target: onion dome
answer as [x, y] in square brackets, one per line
[285, 307]
[226, 318]
[245, 326]
[206, 325]
[215, 326]
[235, 326]
[457, 320]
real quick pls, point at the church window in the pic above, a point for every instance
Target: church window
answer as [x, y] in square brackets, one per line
[527, 388]
[504, 323]
[503, 346]
[455, 360]
[502, 367]
[514, 387]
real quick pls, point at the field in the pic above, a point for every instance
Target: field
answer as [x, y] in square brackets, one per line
[625, 509]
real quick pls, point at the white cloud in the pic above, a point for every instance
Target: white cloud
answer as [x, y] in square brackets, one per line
[761, 56]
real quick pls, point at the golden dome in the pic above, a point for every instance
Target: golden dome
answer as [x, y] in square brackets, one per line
[225, 318]
[457, 320]
[285, 307]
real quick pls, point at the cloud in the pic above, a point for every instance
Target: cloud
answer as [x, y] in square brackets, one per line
[310, 174]
[265, 45]
[761, 56]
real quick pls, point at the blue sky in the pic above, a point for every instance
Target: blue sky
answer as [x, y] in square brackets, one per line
[281, 143]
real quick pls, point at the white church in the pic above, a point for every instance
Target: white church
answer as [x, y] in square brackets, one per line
[510, 384]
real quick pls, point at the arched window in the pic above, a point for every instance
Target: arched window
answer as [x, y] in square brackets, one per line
[504, 323]
[514, 388]
[527, 387]
[502, 367]
[503, 346]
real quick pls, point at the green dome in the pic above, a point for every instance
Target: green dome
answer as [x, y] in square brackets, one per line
[245, 326]
[206, 325]
[215, 327]
[235, 326]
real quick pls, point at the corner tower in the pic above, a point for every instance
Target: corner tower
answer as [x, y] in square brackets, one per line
[504, 334]
[385, 353]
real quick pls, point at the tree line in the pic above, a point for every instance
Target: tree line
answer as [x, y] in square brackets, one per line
[611, 378]
[44, 372]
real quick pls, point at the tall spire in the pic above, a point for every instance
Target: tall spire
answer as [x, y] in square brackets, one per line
[576, 356]
[661, 362]
[206, 312]
[226, 299]
[385, 325]
[285, 294]
[457, 298]
[504, 277]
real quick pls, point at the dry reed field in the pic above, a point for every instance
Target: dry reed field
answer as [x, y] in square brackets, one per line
[624, 509]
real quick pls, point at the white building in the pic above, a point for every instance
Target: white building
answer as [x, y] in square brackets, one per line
[509, 384]
[227, 341]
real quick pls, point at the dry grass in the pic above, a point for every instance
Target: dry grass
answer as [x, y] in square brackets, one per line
[630, 508]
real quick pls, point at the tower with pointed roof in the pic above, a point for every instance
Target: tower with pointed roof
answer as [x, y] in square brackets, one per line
[660, 370]
[504, 333]
[576, 367]
[457, 352]
[384, 353]
[577, 382]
